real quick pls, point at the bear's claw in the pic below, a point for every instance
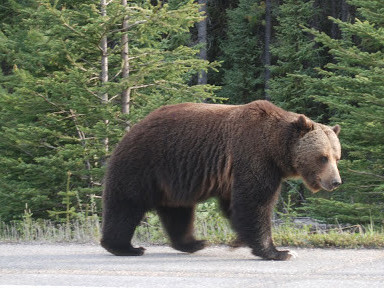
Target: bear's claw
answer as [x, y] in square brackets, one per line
[277, 255]
[190, 247]
[127, 252]
[122, 250]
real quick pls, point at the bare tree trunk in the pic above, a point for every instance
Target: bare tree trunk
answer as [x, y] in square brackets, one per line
[125, 96]
[104, 55]
[267, 52]
[104, 65]
[202, 39]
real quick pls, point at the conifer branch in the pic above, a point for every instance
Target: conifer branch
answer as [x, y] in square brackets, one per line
[366, 173]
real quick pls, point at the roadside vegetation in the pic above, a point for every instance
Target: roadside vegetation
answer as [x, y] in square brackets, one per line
[209, 225]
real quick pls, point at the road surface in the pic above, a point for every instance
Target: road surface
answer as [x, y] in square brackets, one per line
[33, 265]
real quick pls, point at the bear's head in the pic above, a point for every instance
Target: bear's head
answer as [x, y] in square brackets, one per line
[316, 154]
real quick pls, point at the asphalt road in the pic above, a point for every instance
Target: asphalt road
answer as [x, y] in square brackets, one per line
[47, 266]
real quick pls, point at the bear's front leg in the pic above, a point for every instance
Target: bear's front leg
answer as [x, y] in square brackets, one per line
[263, 245]
[253, 226]
[252, 207]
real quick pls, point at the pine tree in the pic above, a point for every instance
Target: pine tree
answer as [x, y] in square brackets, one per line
[295, 54]
[52, 117]
[353, 88]
[243, 79]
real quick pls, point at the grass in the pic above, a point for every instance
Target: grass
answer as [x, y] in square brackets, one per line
[47, 231]
[289, 235]
[209, 225]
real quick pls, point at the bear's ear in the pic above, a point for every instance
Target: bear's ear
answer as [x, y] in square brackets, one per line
[304, 125]
[336, 129]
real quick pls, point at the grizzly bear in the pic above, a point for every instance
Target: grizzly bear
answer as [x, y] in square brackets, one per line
[180, 155]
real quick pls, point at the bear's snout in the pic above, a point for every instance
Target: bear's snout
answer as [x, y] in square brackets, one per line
[336, 183]
[332, 184]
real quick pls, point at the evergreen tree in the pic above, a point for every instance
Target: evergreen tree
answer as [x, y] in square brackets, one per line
[295, 54]
[243, 77]
[353, 88]
[52, 117]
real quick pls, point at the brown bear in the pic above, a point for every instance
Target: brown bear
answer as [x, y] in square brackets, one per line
[183, 154]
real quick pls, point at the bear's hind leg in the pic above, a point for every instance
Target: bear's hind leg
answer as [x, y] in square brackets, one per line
[119, 224]
[178, 222]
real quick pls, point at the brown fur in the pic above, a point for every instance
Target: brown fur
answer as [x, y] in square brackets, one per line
[183, 154]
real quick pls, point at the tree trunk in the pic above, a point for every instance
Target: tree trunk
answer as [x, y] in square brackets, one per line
[202, 40]
[344, 11]
[335, 32]
[104, 66]
[125, 96]
[267, 52]
[104, 54]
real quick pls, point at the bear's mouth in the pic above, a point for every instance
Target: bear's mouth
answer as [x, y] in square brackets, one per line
[327, 186]
[313, 185]
[316, 184]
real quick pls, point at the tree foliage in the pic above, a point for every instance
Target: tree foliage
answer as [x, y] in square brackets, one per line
[243, 69]
[326, 61]
[295, 54]
[352, 86]
[53, 119]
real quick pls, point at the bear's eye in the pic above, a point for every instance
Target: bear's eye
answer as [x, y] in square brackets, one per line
[324, 159]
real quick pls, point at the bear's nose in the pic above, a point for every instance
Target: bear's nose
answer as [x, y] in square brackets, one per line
[336, 183]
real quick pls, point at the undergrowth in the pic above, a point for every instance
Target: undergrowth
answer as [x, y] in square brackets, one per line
[209, 225]
[290, 235]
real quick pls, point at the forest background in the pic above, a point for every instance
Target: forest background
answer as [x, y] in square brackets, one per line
[76, 75]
